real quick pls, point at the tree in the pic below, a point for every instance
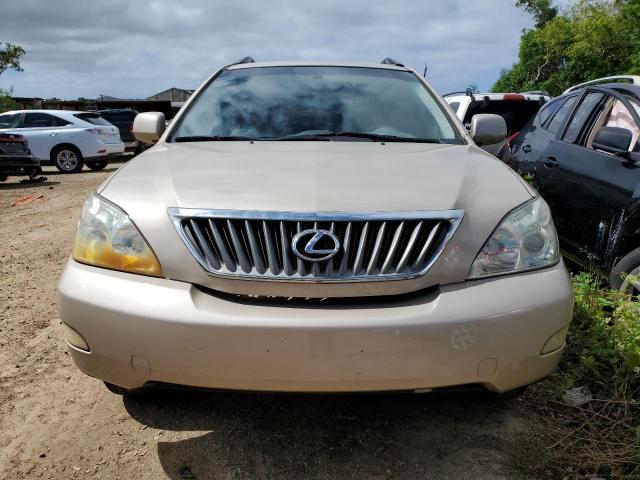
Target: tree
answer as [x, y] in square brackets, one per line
[543, 11]
[10, 56]
[591, 39]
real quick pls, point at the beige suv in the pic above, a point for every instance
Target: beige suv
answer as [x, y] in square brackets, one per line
[316, 227]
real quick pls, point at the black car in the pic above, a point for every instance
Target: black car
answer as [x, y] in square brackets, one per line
[123, 119]
[15, 158]
[583, 153]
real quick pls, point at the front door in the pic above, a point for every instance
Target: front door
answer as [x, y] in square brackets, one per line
[42, 133]
[589, 190]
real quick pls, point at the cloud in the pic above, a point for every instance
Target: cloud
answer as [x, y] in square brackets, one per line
[135, 49]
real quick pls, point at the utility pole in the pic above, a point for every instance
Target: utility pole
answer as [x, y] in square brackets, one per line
[425, 71]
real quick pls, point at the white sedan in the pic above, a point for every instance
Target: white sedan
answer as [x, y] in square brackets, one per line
[66, 139]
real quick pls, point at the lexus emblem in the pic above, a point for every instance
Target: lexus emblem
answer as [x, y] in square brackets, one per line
[315, 245]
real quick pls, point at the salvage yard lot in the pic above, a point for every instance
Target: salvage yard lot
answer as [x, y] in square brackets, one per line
[55, 422]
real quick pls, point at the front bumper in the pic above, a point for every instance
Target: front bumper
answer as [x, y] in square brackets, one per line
[143, 329]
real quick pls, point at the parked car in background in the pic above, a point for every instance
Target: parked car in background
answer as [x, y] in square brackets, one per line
[66, 139]
[583, 152]
[123, 119]
[15, 158]
[516, 109]
[286, 246]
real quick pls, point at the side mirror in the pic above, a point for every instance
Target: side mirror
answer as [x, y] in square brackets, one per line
[488, 129]
[148, 127]
[613, 140]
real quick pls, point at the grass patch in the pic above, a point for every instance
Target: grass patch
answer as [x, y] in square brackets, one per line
[601, 437]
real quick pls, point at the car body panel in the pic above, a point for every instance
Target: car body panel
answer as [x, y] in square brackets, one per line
[433, 339]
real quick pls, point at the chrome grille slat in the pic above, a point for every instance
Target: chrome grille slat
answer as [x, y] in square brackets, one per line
[402, 264]
[210, 256]
[357, 264]
[238, 245]
[258, 245]
[427, 244]
[287, 263]
[392, 248]
[272, 254]
[346, 248]
[221, 243]
[254, 246]
[377, 247]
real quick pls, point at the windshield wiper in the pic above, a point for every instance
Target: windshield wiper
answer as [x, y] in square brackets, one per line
[370, 136]
[211, 138]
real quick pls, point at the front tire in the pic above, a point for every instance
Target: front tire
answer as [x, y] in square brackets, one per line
[121, 390]
[67, 159]
[97, 165]
[625, 276]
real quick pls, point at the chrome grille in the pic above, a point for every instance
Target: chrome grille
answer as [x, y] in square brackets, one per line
[257, 245]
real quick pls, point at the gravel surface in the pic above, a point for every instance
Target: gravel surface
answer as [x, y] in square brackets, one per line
[55, 422]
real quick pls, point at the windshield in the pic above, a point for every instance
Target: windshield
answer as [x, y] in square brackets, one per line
[297, 103]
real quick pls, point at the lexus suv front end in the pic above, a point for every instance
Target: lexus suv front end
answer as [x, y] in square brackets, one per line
[316, 227]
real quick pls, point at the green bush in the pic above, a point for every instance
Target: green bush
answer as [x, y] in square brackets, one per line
[604, 342]
[6, 102]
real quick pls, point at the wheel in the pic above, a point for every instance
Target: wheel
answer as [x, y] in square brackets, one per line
[121, 391]
[516, 392]
[625, 275]
[35, 172]
[97, 165]
[139, 149]
[67, 159]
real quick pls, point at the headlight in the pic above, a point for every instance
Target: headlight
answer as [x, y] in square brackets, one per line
[106, 237]
[525, 240]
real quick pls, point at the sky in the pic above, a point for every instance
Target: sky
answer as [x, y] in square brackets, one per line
[134, 49]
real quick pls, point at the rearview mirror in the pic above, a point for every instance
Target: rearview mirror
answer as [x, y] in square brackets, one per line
[148, 127]
[613, 140]
[487, 129]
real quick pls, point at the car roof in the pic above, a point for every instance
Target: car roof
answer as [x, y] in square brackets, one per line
[627, 80]
[495, 96]
[51, 111]
[384, 66]
[115, 110]
[621, 87]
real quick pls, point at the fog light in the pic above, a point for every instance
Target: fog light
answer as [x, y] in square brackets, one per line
[556, 341]
[74, 338]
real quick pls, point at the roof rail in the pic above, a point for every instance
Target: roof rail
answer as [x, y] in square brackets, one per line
[391, 61]
[536, 92]
[246, 59]
[468, 92]
[631, 79]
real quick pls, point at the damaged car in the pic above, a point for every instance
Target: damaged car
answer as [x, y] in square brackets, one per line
[316, 227]
[582, 152]
[16, 159]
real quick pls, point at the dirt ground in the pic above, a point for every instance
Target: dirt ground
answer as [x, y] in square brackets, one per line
[58, 423]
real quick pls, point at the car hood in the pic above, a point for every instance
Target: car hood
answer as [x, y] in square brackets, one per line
[315, 177]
